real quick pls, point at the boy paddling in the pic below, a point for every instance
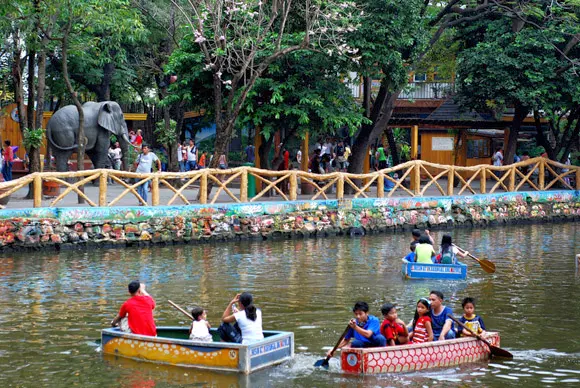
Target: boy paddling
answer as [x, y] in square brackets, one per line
[364, 328]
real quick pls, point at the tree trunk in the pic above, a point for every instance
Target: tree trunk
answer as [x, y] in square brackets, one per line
[510, 148]
[81, 139]
[32, 152]
[264, 152]
[380, 115]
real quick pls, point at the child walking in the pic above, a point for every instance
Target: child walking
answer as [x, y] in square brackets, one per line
[392, 327]
[422, 330]
[448, 252]
[199, 330]
[470, 319]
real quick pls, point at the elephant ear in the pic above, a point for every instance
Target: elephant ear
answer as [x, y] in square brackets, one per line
[106, 118]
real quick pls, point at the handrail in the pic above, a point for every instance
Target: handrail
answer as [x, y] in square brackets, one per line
[412, 178]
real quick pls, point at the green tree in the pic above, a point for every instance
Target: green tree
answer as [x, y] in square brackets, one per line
[302, 93]
[233, 43]
[525, 66]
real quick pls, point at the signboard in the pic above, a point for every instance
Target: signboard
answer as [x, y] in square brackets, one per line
[442, 144]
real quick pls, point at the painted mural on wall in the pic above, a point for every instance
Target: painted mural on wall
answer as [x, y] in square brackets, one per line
[127, 225]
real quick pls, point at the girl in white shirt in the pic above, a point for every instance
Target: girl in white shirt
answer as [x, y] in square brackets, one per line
[199, 330]
[248, 318]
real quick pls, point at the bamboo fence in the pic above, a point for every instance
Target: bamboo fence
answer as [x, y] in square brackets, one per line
[412, 178]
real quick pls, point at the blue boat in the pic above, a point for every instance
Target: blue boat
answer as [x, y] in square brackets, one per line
[434, 271]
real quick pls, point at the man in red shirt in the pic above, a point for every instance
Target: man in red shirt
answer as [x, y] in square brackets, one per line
[138, 310]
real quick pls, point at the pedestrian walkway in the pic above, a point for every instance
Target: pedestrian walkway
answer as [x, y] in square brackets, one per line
[18, 200]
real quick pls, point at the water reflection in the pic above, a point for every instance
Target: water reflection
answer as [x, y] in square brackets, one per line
[52, 305]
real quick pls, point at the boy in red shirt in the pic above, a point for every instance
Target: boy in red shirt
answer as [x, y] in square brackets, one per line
[138, 310]
[392, 327]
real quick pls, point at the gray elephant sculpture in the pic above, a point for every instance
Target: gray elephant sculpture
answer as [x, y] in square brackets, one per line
[102, 119]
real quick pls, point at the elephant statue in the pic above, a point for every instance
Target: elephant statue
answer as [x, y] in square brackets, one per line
[102, 119]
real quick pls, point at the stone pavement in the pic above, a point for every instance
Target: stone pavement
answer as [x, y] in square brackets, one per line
[92, 191]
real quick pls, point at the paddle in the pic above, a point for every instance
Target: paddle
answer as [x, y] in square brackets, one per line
[495, 351]
[486, 265]
[180, 309]
[324, 362]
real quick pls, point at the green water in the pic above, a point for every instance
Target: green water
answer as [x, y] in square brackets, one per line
[53, 305]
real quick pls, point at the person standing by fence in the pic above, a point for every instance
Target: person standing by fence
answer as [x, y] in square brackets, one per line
[191, 156]
[144, 163]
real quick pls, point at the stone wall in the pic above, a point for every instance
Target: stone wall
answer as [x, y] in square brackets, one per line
[87, 227]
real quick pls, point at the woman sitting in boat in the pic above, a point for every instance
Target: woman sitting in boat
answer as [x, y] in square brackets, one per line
[448, 252]
[248, 319]
[424, 252]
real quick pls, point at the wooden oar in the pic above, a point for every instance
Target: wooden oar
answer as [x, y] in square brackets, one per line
[324, 362]
[486, 265]
[181, 310]
[495, 351]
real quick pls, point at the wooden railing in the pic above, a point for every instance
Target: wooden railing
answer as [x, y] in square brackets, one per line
[413, 178]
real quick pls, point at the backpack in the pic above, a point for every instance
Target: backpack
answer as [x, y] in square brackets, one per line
[448, 257]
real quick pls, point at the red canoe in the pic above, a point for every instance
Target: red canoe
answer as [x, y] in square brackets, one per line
[409, 358]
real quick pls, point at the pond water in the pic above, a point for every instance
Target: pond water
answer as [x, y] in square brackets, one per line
[53, 305]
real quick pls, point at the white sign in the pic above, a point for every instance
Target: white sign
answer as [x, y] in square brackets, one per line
[442, 144]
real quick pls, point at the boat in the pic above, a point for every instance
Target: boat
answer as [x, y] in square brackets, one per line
[434, 271]
[415, 357]
[172, 346]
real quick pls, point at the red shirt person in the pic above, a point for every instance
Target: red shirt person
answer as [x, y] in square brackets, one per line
[392, 327]
[138, 310]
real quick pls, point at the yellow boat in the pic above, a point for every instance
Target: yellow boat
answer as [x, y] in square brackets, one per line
[173, 347]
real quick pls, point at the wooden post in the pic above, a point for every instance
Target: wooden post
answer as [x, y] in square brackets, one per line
[155, 190]
[340, 187]
[483, 180]
[305, 152]
[294, 186]
[244, 185]
[577, 178]
[512, 181]
[37, 191]
[366, 165]
[257, 145]
[542, 174]
[414, 142]
[203, 188]
[103, 188]
[450, 180]
[381, 186]
[417, 178]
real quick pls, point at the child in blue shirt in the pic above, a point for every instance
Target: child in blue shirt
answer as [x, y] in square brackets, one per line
[365, 330]
[411, 255]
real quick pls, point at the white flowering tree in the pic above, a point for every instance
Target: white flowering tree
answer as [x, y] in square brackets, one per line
[239, 40]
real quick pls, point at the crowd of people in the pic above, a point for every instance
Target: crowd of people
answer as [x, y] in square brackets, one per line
[241, 320]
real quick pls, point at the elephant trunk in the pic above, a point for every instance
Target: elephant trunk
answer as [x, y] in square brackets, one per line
[125, 143]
